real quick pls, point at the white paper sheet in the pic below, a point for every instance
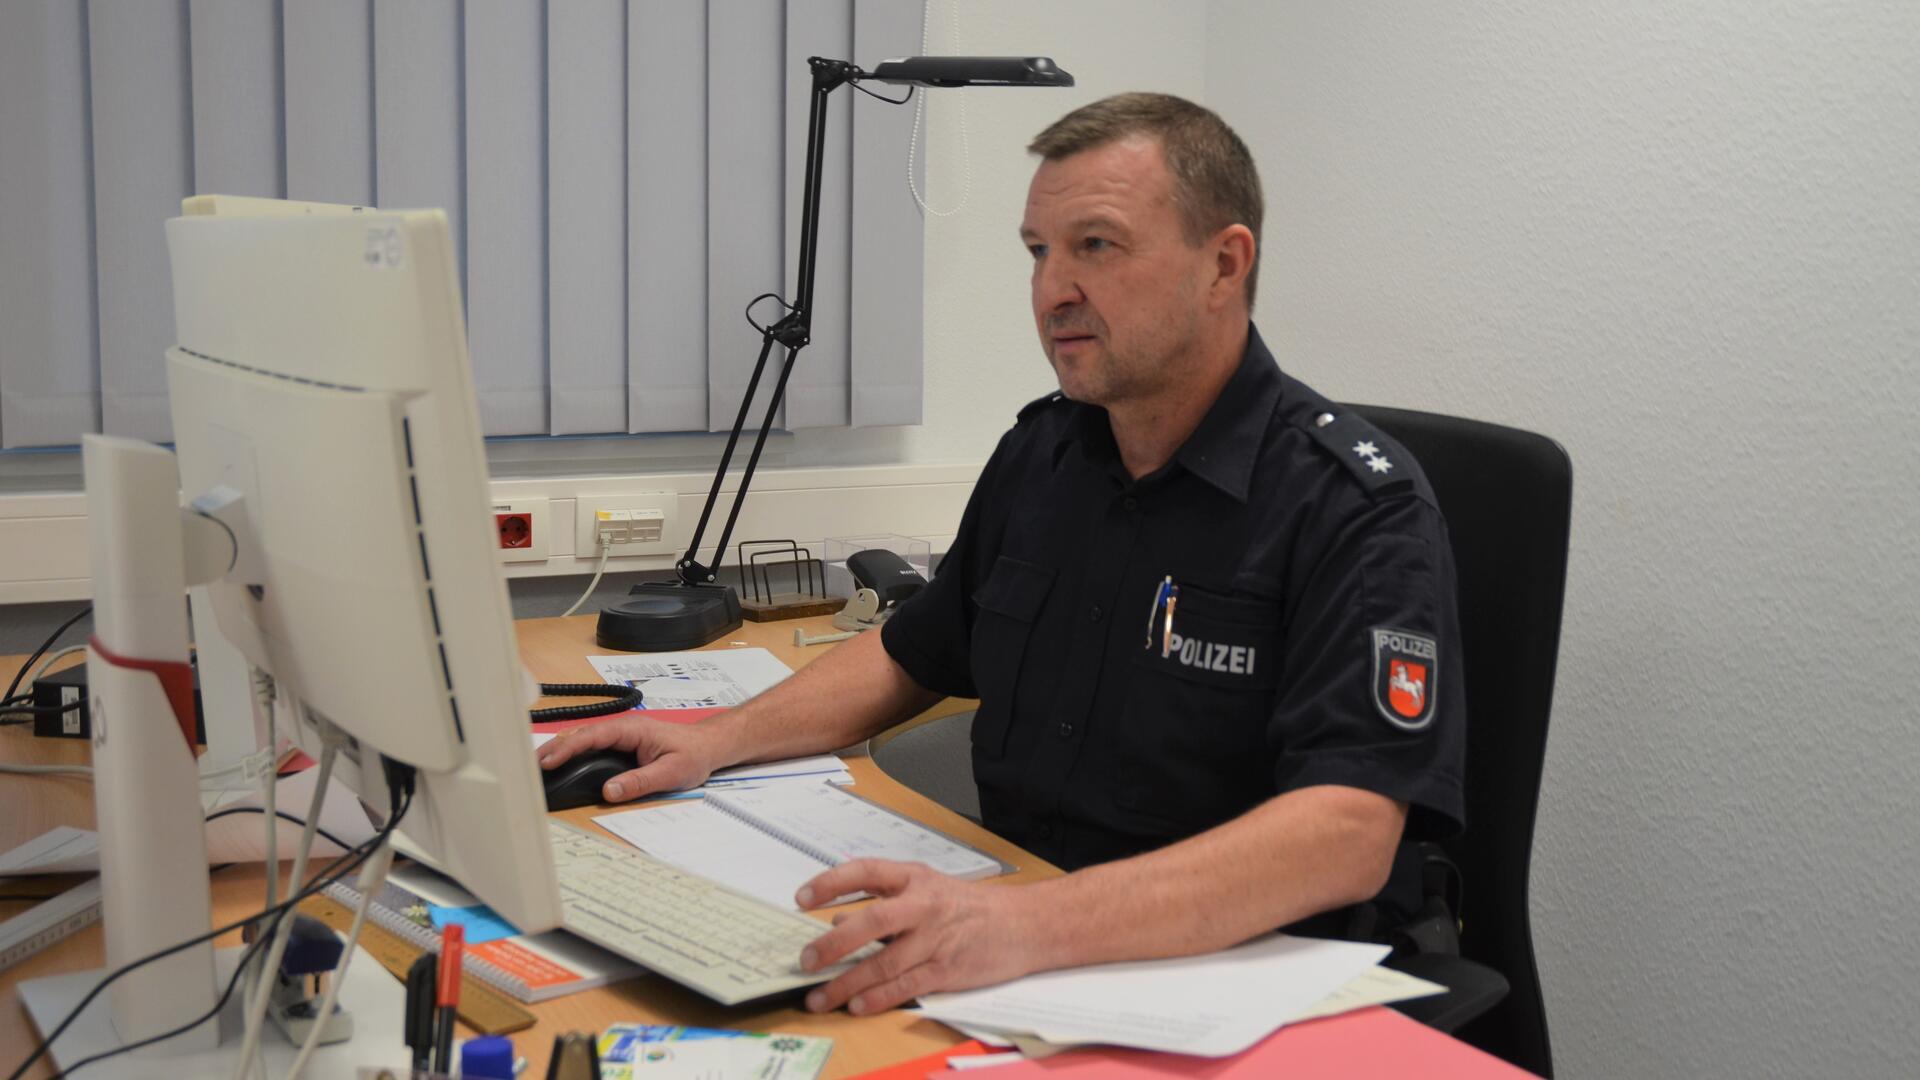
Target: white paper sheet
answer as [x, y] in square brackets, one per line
[719, 847]
[63, 850]
[1374, 986]
[242, 837]
[693, 680]
[231, 839]
[1213, 1005]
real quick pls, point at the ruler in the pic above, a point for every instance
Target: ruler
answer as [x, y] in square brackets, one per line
[482, 1008]
[49, 921]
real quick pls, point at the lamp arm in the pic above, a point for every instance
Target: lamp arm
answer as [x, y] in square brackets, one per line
[793, 330]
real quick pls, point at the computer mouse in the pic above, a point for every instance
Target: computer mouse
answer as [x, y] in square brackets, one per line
[578, 780]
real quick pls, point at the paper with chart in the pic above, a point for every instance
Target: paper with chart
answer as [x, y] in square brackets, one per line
[1212, 1005]
[693, 680]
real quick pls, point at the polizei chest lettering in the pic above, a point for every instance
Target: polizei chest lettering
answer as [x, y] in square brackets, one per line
[1212, 655]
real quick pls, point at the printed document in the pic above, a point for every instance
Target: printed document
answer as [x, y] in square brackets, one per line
[1212, 1006]
[694, 680]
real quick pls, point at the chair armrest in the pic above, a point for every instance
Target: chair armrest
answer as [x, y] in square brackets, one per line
[1472, 989]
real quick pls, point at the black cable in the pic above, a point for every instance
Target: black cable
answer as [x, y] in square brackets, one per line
[403, 799]
[620, 699]
[888, 100]
[42, 651]
[347, 864]
[763, 296]
[283, 816]
[246, 958]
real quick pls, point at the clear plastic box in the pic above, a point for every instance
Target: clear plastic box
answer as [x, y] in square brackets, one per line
[917, 552]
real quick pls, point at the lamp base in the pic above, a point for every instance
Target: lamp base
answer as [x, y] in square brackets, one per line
[665, 616]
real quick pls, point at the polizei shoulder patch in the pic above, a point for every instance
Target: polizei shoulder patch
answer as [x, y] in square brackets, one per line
[1404, 666]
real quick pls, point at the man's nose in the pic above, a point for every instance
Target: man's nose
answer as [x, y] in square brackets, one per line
[1054, 287]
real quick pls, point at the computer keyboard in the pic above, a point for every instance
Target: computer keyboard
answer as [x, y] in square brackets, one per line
[728, 946]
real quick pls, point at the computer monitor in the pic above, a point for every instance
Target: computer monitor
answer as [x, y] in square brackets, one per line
[321, 374]
[328, 442]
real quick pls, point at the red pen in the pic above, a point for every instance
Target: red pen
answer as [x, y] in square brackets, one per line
[453, 941]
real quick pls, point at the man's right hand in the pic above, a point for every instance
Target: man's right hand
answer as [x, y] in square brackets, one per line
[671, 757]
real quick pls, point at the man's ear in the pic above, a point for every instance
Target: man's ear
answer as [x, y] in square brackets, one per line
[1233, 251]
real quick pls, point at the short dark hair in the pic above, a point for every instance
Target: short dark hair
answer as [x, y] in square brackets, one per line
[1215, 183]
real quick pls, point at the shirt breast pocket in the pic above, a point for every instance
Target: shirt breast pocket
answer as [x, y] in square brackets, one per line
[1009, 602]
[1216, 639]
[1194, 741]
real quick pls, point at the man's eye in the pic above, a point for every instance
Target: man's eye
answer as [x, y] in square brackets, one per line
[1095, 243]
[1036, 250]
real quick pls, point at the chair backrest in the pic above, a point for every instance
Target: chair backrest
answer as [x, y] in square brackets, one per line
[1507, 496]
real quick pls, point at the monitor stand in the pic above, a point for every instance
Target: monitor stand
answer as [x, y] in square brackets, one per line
[376, 1000]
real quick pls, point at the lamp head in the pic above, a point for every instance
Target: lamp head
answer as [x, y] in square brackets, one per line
[971, 71]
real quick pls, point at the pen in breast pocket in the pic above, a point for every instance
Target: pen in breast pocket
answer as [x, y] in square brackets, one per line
[1164, 599]
[1153, 612]
[1166, 632]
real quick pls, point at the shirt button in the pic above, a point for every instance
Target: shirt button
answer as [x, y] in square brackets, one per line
[1094, 614]
[1043, 830]
[1066, 729]
[1130, 503]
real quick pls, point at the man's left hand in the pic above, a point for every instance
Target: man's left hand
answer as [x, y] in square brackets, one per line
[941, 933]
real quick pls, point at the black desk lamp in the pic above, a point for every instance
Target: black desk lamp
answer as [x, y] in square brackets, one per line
[697, 608]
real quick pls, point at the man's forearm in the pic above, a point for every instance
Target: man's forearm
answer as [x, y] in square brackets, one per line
[853, 692]
[1293, 856]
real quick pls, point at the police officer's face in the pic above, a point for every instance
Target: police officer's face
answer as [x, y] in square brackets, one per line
[1117, 292]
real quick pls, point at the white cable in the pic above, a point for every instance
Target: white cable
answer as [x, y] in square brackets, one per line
[372, 876]
[606, 549]
[58, 655]
[913, 140]
[48, 770]
[40, 671]
[263, 702]
[257, 1008]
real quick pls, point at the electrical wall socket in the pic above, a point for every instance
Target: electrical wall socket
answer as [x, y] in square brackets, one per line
[641, 524]
[523, 528]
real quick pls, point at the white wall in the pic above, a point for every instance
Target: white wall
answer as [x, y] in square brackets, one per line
[1684, 239]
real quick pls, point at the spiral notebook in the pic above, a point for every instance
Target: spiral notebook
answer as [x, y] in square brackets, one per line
[416, 903]
[767, 842]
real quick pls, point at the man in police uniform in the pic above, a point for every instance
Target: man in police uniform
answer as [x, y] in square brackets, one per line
[1208, 614]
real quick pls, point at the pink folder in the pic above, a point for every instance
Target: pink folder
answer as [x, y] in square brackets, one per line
[1362, 1045]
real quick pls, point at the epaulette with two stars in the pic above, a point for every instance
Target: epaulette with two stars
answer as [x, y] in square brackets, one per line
[1038, 404]
[1373, 459]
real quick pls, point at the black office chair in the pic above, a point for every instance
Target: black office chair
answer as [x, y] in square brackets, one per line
[1508, 497]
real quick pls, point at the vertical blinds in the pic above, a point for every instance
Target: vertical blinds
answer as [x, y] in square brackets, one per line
[621, 177]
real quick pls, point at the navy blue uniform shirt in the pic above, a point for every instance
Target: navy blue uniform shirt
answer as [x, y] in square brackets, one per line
[1314, 637]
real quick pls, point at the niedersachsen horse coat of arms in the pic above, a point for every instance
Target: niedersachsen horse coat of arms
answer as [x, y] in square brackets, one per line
[1404, 666]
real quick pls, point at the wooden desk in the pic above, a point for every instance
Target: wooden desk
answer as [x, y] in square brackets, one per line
[555, 649]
